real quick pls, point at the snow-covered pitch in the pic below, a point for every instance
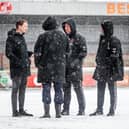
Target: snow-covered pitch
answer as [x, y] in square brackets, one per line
[33, 104]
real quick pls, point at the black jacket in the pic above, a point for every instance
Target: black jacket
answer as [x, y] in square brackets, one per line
[77, 52]
[16, 52]
[50, 53]
[109, 56]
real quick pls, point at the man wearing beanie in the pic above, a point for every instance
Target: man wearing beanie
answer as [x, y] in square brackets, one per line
[50, 59]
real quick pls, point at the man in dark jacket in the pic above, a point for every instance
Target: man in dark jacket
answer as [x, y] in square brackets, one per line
[77, 52]
[16, 52]
[109, 67]
[50, 59]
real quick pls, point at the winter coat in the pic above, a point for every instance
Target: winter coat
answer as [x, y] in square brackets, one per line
[50, 53]
[109, 56]
[16, 52]
[77, 52]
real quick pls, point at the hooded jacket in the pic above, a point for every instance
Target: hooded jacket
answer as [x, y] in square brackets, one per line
[77, 52]
[72, 24]
[109, 58]
[50, 53]
[16, 52]
[107, 27]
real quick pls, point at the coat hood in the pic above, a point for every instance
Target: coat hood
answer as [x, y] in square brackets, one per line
[50, 23]
[107, 27]
[72, 24]
[11, 32]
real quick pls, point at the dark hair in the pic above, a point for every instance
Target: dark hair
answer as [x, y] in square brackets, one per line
[20, 22]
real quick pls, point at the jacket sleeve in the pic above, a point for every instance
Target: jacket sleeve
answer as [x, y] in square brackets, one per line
[67, 47]
[97, 59]
[9, 51]
[117, 60]
[83, 48]
[82, 53]
[37, 51]
[116, 50]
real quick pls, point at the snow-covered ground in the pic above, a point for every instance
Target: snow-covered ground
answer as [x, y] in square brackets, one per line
[33, 105]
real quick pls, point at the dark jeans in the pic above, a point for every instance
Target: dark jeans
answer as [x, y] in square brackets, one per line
[79, 93]
[101, 92]
[46, 92]
[18, 89]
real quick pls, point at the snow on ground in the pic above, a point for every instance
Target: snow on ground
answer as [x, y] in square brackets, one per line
[33, 104]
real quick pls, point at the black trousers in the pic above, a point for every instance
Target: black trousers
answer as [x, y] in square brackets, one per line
[79, 93]
[18, 92]
[101, 92]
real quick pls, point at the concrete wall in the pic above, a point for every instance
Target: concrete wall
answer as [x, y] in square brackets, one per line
[58, 8]
[66, 8]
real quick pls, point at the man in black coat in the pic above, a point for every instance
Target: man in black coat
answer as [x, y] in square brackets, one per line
[77, 52]
[109, 67]
[16, 52]
[50, 59]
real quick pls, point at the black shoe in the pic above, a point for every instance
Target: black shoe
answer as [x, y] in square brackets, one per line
[24, 113]
[65, 113]
[111, 114]
[58, 116]
[46, 111]
[45, 116]
[16, 114]
[97, 113]
[81, 114]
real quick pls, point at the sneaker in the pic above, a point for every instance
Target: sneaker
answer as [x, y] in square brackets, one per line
[97, 113]
[24, 113]
[65, 113]
[16, 114]
[81, 114]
